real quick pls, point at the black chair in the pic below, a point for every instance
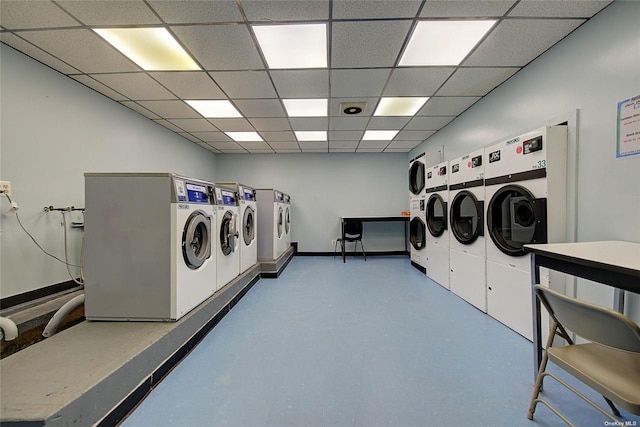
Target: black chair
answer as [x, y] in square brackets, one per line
[352, 233]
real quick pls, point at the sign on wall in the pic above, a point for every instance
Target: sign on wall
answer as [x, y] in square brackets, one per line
[628, 140]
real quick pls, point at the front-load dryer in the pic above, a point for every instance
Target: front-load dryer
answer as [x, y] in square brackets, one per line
[417, 233]
[270, 224]
[149, 245]
[437, 237]
[227, 234]
[525, 188]
[416, 176]
[286, 199]
[466, 223]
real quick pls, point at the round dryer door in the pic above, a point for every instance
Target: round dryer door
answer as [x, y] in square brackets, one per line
[515, 218]
[280, 222]
[248, 226]
[467, 215]
[196, 240]
[287, 221]
[228, 233]
[417, 232]
[416, 177]
[436, 215]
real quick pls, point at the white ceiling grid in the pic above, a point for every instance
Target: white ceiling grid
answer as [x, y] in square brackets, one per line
[365, 41]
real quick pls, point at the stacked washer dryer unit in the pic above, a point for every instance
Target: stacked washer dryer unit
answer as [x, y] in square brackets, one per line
[526, 203]
[417, 227]
[437, 241]
[227, 234]
[287, 220]
[466, 224]
[149, 245]
[271, 241]
[249, 224]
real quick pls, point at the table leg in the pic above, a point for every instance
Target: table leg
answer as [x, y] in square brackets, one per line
[342, 245]
[537, 324]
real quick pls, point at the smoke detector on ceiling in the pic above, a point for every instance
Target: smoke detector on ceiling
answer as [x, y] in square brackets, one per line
[352, 108]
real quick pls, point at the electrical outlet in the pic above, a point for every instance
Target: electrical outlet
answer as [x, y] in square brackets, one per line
[5, 187]
[333, 243]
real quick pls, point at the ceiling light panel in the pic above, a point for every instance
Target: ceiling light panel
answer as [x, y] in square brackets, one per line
[244, 136]
[379, 135]
[314, 135]
[306, 107]
[293, 46]
[406, 106]
[443, 42]
[153, 49]
[214, 108]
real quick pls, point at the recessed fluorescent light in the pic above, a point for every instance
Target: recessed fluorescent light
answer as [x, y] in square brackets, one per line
[407, 106]
[293, 46]
[214, 108]
[314, 135]
[244, 136]
[443, 42]
[151, 48]
[306, 107]
[379, 135]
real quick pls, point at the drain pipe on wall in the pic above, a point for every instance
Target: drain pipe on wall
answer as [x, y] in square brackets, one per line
[8, 329]
[57, 318]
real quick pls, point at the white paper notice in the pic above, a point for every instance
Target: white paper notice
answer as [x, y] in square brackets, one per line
[628, 143]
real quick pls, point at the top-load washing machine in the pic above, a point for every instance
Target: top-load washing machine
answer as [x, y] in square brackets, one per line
[149, 245]
[249, 224]
[466, 224]
[271, 224]
[437, 238]
[227, 234]
[525, 188]
[286, 199]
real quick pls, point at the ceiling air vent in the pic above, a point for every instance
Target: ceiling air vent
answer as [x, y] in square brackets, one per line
[352, 108]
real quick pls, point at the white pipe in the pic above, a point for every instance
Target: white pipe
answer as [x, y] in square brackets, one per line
[57, 318]
[8, 329]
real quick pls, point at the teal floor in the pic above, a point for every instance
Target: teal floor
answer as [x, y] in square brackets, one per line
[359, 344]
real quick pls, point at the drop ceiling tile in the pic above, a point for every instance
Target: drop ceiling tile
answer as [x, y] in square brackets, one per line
[373, 144]
[428, 123]
[359, 9]
[342, 150]
[315, 150]
[267, 124]
[199, 143]
[343, 144]
[260, 108]
[98, 87]
[348, 123]
[140, 109]
[135, 86]
[447, 106]
[475, 81]
[234, 151]
[232, 125]
[518, 42]
[367, 44]
[284, 145]
[194, 125]
[274, 10]
[220, 47]
[301, 84]
[358, 83]
[335, 111]
[314, 145]
[82, 49]
[34, 14]
[309, 123]
[171, 109]
[417, 81]
[38, 54]
[285, 151]
[370, 150]
[245, 84]
[345, 135]
[193, 139]
[274, 137]
[254, 145]
[382, 123]
[564, 9]
[413, 135]
[212, 136]
[466, 8]
[169, 125]
[225, 146]
[189, 84]
[396, 150]
[267, 151]
[198, 12]
[404, 145]
[121, 12]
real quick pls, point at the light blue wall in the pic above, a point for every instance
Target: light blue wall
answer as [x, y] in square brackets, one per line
[324, 187]
[54, 130]
[590, 71]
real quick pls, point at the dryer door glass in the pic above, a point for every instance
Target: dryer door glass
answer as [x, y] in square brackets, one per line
[417, 232]
[248, 226]
[416, 177]
[287, 221]
[436, 215]
[515, 218]
[280, 222]
[466, 217]
[228, 233]
[196, 240]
